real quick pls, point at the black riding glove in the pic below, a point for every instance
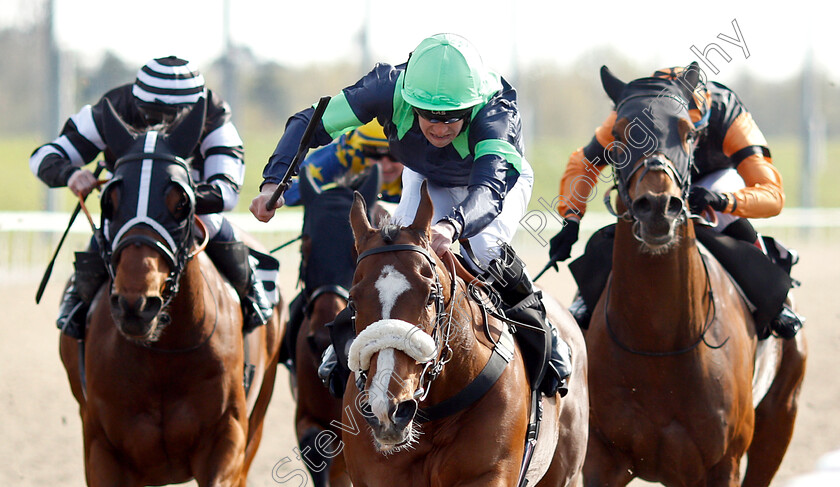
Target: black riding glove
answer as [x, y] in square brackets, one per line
[699, 198]
[208, 199]
[561, 244]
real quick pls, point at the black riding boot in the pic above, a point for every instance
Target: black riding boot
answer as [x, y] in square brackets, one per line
[232, 260]
[508, 277]
[333, 370]
[289, 344]
[84, 283]
[787, 322]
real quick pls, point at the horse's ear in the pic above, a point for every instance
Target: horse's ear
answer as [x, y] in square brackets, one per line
[307, 187]
[186, 135]
[425, 210]
[688, 79]
[369, 188]
[359, 219]
[612, 85]
[118, 136]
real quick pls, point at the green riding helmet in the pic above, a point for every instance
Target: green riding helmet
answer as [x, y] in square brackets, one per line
[445, 73]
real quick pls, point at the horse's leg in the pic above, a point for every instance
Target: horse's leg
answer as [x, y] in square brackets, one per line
[69, 350]
[726, 473]
[251, 449]
[338, 473]
[605, 467]
[257, 419]
[555, 475]
[775, 416]
[102, 465]
[220, 463]
[318, 464]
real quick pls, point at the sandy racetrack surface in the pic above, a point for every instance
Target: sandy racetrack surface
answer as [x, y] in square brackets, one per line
[40, 430]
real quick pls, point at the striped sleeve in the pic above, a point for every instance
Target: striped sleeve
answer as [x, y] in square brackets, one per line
[223, 153]
[79, 143]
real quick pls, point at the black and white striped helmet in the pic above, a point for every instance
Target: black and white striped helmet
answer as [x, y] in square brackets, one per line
[168, 81]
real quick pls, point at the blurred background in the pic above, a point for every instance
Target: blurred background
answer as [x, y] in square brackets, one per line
[270, 59]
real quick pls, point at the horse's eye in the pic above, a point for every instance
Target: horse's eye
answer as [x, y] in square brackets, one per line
[433, 296]
[178, 203]
[110, 201]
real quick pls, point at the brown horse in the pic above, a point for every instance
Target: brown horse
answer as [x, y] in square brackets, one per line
[443, 385]
[328, 260]
[160, 386]
[672, 344]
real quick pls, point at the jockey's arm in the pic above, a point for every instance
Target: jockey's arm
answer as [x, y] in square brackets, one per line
[224, 169]
[79, 143]
[763, 195]
[583, 170]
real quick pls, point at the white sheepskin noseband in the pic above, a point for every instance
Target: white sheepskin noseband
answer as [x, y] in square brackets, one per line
[390, 333]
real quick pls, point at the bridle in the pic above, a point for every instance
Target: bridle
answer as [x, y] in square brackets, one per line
[442, 329]
[651, 162]
[175, 251]
[657, 161]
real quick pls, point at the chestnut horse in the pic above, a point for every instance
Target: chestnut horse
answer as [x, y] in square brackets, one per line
[444, 388]
[161, 387]
[328, 260]
[672, 344]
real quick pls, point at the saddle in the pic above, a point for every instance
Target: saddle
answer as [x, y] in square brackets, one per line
[534, 346]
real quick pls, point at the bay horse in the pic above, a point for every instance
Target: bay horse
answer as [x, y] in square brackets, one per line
[328, 260]
[441, 395]
[672, 344]
[161, 385]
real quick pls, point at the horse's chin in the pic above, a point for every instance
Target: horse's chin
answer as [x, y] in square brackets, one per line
[657, 243]
[139, 330]
[393, 441]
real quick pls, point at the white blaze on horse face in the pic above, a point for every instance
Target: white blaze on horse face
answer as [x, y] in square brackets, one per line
[378, 395]
[391, 284]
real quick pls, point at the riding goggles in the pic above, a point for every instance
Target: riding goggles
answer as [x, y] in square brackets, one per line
[376, 152]
[446, 117]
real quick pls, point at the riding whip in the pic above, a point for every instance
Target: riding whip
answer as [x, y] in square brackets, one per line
[302, 149]
[290, 242]
[548, 266]
[48, 272]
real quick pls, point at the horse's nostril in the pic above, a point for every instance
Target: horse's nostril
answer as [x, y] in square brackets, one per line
[404, 413]
[141, 307]
[642, 206]
[675, 206]
[151, 308]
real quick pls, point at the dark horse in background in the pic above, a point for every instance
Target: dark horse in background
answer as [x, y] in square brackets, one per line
[328, 260]
[441, 396]
[672, 344]
[161, 387]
